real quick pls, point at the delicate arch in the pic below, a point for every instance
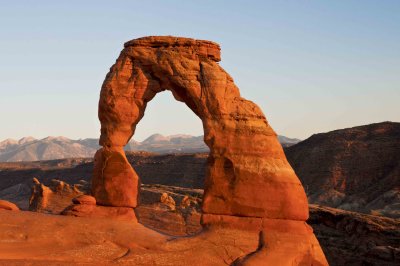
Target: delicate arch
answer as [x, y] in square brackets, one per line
[247, 172]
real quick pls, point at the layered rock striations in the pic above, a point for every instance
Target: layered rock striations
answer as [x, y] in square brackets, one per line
[249, 183]
[355, 169]
[247, 174]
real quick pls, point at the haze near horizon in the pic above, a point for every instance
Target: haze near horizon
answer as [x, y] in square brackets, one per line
[311, 66]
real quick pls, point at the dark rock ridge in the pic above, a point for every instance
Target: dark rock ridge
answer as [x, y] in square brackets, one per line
[351, 238]
[354, 169]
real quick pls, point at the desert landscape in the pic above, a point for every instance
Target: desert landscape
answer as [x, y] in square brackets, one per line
[171, 193]
[257, 134]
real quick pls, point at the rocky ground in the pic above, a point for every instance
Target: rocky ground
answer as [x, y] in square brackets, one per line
[30, 238]
[347, 238]
[170, 200]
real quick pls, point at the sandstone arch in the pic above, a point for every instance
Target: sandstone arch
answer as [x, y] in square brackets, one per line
[248, 181]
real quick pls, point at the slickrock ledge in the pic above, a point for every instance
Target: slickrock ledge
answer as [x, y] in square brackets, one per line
[8, 206]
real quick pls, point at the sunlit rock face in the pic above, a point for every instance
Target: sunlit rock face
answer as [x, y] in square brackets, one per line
[249, 183]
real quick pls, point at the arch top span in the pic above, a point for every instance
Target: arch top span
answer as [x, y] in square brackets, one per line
[205, 48]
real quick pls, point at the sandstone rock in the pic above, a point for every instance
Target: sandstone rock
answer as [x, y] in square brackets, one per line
[9, 206]
[84, 200]
[60, 186]
[346, 237]
[248, 174]
[115, 183]
[39, 196]
[163, 220]
[189, 202]
[52, 199]
[84, 210]
[185, 202]
[167, 200]
[281, 248]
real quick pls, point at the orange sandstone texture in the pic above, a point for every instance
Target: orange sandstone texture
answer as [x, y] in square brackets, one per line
[247, 173]
[8, 206]
[115, 183]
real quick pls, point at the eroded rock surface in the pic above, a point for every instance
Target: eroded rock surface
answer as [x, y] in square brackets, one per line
[347, 238]
[248, 179]
[54, 198]
[248, 174]
[350, 238]
[8, 206]
[96, 211]
[115, 183]
[356, 169]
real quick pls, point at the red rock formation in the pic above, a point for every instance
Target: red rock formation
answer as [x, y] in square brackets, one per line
[95, 211]
[114, 179]
[8, 206]
[52, 199]
[247, 173]
[84, 200]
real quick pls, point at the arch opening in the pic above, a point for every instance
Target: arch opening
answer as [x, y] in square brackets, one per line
[166, 116]
[172, 180]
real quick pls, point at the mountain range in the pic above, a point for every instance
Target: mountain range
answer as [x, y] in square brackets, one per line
[50, 148]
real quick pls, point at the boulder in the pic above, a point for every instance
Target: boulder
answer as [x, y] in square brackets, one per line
[9, 206]
[94, 211]
[84, 200]
[115, 183]
[167, 200]
[52, 199]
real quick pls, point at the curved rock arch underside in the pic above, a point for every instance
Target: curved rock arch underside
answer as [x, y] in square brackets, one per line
[249, 183]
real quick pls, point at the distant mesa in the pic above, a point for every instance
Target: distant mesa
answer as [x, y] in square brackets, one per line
[51, 148]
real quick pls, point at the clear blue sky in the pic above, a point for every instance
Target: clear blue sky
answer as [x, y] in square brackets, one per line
[312, 66]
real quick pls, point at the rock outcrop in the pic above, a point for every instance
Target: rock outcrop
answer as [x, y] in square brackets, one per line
[248, 179]
[8, 206]
[54, 198]
[355, 169]
[350, 238]
[82, 209]
[347, 238]
[70, 200]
